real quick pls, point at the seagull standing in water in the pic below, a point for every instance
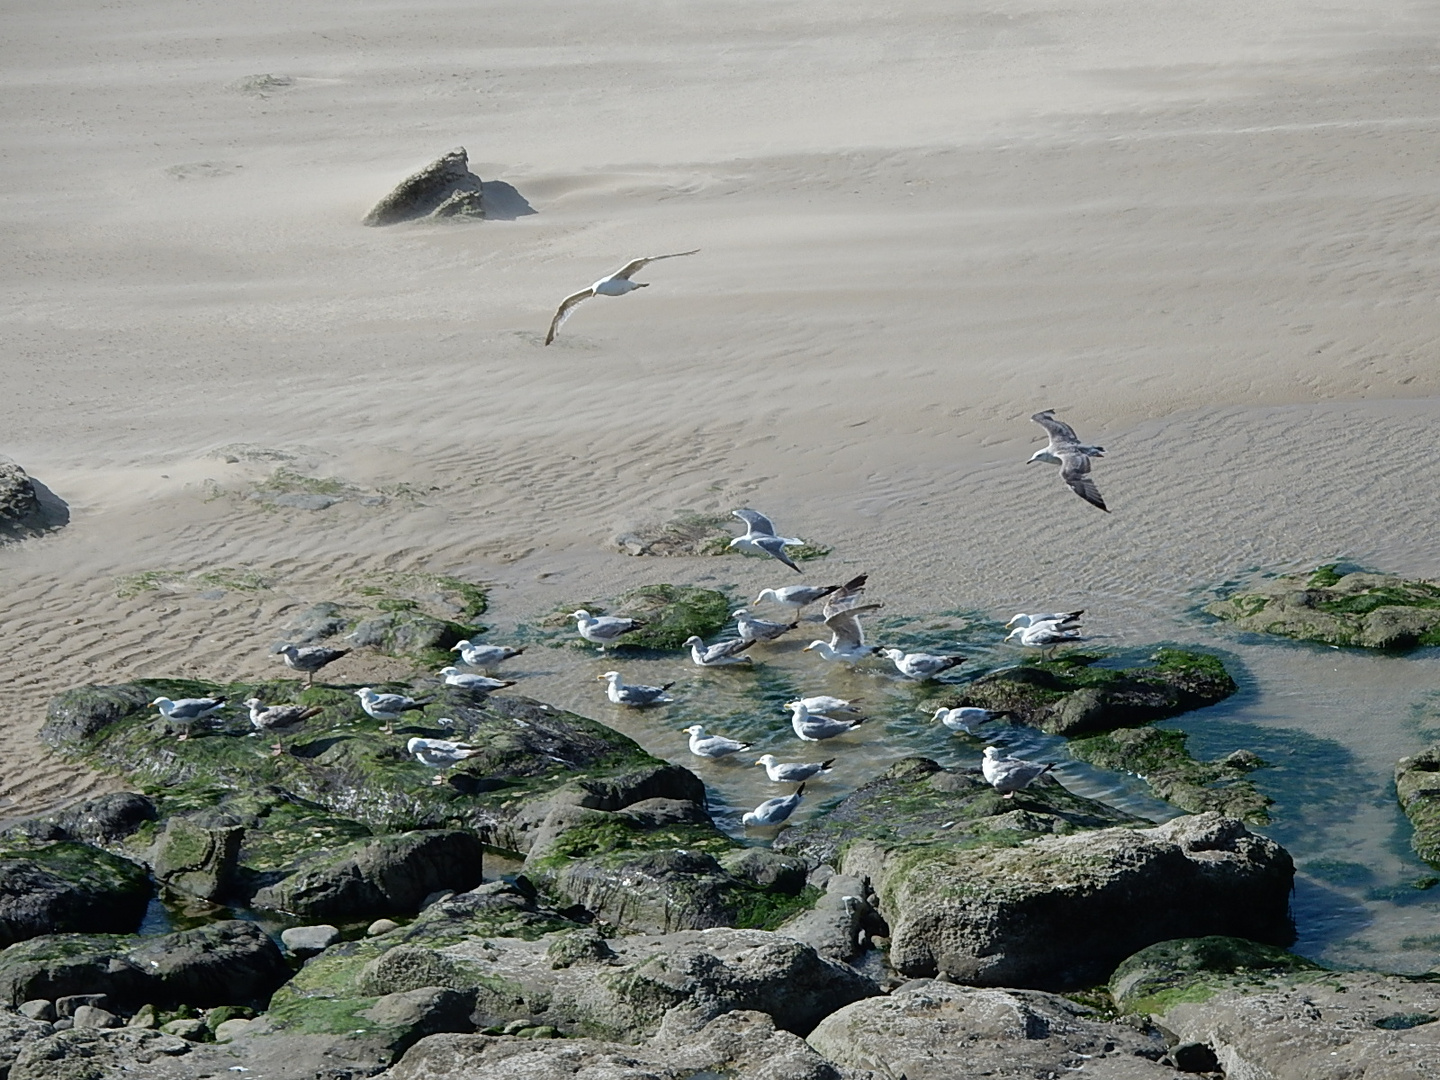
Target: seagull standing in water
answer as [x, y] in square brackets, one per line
[1065, 620]
[1045, 635]
[760, 538]
[847, 639]
[753, 629]
[792, 772]
[813, 727]
[1073, 457]
[965, 718]
[824, 703]
[484, 656]
[919, 665]
[719, 654]
[1008, 775]
[773, 811]
[603, 629]
[617, 284]
[801, 596]
[636, 695]
[712, 746]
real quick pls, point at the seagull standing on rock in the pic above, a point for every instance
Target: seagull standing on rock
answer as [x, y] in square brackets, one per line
[603, 630]
[278, 719]
[1008, 775]
[188, 710]
[917, 665]
[760, 538]
[712, 746]
[635, 695]
[616, 284]
[1066, 450]
[309, 658]
[440, 754]
[484, 656]
[387, 707]
[719, 654]
[773, 811]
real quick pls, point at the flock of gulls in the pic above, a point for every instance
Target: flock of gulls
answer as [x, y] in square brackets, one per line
[813, 719]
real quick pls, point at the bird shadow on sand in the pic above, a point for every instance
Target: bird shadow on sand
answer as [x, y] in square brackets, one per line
[503, 202]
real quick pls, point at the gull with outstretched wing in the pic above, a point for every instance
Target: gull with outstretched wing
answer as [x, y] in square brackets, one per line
[1066, 450]
[616, 284]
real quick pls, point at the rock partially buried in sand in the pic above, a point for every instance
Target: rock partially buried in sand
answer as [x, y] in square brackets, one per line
[21, 514]
[446, 184]
[1370, 611]
[1417, 785]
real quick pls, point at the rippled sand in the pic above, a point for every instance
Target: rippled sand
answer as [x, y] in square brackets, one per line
[1206, 238]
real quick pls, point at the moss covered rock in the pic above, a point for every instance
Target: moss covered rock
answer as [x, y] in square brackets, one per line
[1160, 758]
[1192, 969]
[1417, 784]
[68, 888]
[1372, 611]
[197, 860]
[671, 613]
[1075, 695]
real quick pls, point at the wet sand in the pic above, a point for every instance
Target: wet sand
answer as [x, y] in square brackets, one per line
[1206, 238]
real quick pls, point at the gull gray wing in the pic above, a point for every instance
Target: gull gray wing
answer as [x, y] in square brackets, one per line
[757, 522]
[1061, 433]
[1075, 471]
[635, 264]
[846, 626]
[727, 648]
[846, 597]
[563, 311]
[775, 547]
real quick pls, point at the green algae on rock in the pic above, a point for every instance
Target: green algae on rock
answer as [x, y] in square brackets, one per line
[1372, 611]
[1074, 695]
[1417, 785]
[1160, 759]
[671, 613]
[1193, 969]
[68, 887]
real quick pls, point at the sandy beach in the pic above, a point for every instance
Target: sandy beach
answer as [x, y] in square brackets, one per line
[1205, 236]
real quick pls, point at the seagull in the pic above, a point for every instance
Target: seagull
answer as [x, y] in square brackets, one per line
[440, 754]
[760, 538]
[1066, 451]
[712, 746]
[753, 629]
[824, 703]
[617, 284]
[719, 654]
[1065, 619]
[309, 658]
[1045, 635]
[919, 665]
[603, 629]
[484, 656]
[792, 772]
[1008, 775]
[387, 707]
[188, 710]
[815, 727]
[455, 677]
[801, 596]
[634, 695]
[278, 719]
[847, 639]
[966, 718]
[773, 811]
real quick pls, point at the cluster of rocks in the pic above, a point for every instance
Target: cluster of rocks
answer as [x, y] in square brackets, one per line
[923, 927]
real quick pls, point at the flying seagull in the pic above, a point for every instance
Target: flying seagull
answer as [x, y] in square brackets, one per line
[634, 694]
[792, 772]
[800, 596]
[617, 284]
[1008, 775]
[712, 746]
[309, 658]
[279, 719]
[484, 656]
[919, 665]
[753, 629]
[760, 538]
[773, 811]
[603, 629]
[188, 710]
[719, 654]
[1065, 450]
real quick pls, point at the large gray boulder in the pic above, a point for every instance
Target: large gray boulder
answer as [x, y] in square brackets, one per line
[928, 1030]
[194, 859]
[17, 1032]
[1061, 912]
[69, 888]
[95, 1054]
[382, 876]
[103, 820]
[741, 1043]
[21, 513]
[445, 188]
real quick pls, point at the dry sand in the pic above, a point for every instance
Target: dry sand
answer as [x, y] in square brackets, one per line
[1206, 235]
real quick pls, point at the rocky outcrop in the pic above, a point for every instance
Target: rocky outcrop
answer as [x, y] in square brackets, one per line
[21, 514]
[68, 888]
[1371, 611]
[94, 1054]
[104, 820]
[1417, 785]
[1263, 1013]
[444, 188]
[671, 613]
[197, 860]
[928, 1030]
[229, 962]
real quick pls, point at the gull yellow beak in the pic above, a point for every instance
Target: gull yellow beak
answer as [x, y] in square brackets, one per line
[599, 678]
